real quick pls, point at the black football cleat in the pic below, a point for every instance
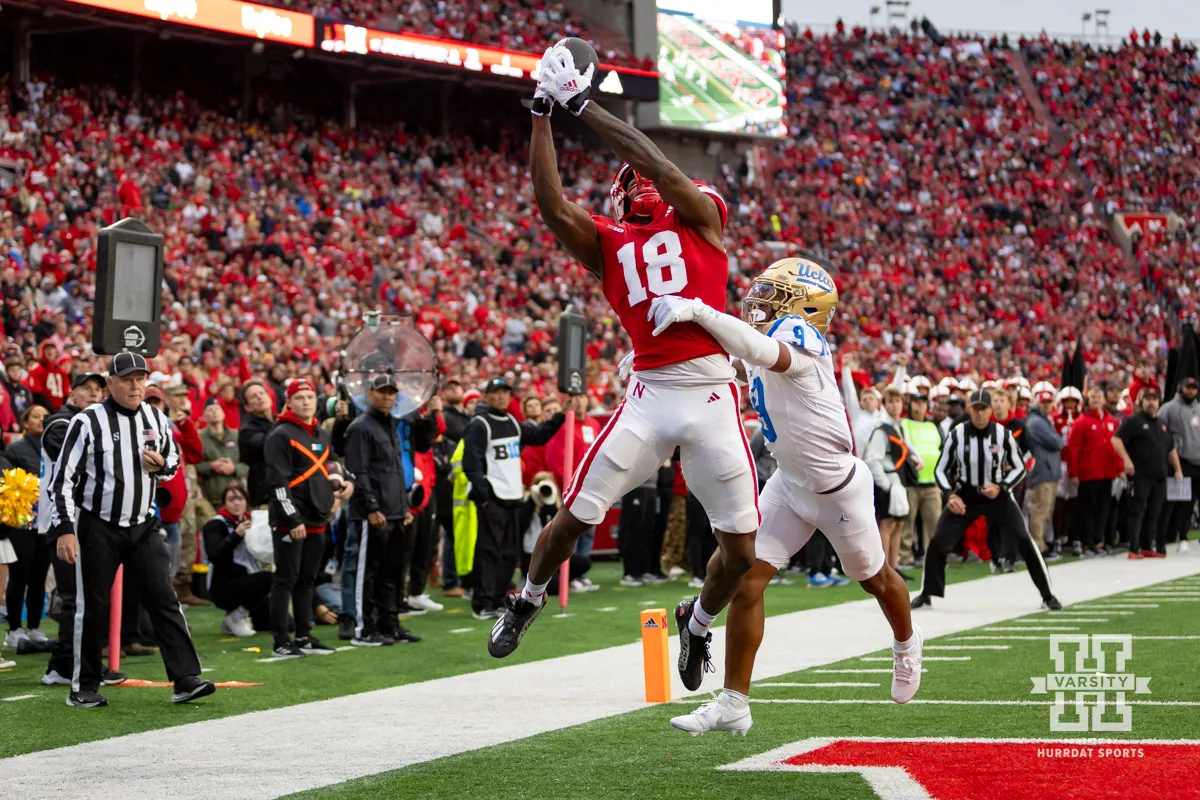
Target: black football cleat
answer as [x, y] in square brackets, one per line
[921, 601]
[508, 631]
[1050, 603]
[86, 699]
[694, 657]
[189, 688]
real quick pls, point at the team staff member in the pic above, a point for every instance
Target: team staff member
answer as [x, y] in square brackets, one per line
[1146, 449]
[980, 465]
[492, 445]
[1045, 445]
[379, 510]
[924, 497]
[112, 459]
[301, 495]
[1182, 415]
[1092, 466]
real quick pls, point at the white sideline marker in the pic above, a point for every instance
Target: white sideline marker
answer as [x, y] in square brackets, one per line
[461, 630]
[924, 658]
[1169, 599]
[15, 698]
[607, 608]
[786, 685]
[1057, 618]
[1119, 605]
[1042, 638]
[1083, 612]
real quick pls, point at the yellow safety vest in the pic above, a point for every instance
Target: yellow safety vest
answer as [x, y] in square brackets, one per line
[466, 521]
[926, 439]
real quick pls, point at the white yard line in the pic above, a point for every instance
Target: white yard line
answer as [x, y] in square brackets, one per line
[15, 698]
[461, 630]
[871, 671]
[967, 647]
[1081, 613]
[786, 685]
[1044, 638]
[1111, 606]
[861, 701]
[1035, 628]
[924, 658]
[390, 728]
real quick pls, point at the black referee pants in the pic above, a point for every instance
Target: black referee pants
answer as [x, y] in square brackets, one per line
[1177, 515]
[371, 600]
[635, 531]
[296, 567]
[1003, 515]
[497, 553]
[102, 548]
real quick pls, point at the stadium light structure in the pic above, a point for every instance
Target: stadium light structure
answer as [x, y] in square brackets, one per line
[1101, 16]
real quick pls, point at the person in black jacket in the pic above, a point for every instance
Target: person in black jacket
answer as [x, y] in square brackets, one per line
[27, 576]
[492, 446]
[86, 388]
[19, 396]
[455, 418]
[236, 582]
[301, 492]
[379, 513]
[252, 437]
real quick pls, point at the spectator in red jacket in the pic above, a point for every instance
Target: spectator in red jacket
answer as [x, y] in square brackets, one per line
[1143, 377]
[173, 495]
[48, 382]
[1092, 464]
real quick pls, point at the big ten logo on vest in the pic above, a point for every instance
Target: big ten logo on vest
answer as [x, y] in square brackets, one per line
[813, 275]
[503, 452]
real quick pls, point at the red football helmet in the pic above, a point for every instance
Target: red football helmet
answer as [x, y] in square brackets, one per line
[626, 183]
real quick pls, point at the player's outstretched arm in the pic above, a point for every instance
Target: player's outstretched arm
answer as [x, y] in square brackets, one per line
[570, 223]
[694, 207]
[739, 339]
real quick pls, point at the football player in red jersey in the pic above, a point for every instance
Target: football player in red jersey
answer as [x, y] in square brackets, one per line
[664, 238]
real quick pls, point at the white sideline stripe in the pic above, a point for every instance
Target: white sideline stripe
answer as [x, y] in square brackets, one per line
[871, 671]
[390, 728]
[1057, 619]
[967, 647]
[1098, 607]
[1167, 599]
[1035, 628]
[1082, 613]
[343, 648]
[786, 685]
[15, 698]
[461, 630]
[607, 608]
[923, 659]
[864, 701]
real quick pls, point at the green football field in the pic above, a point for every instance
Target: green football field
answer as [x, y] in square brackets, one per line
[564, 718]
[974, 693]
[454, 643]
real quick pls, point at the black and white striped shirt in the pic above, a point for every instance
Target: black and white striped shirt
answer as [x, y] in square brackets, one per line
[973, 457]
[100, 466]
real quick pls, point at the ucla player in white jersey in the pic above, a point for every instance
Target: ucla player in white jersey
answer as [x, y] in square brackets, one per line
[820, 484]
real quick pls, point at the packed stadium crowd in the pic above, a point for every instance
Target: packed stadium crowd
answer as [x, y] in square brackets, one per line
[966, 246]
[524, 26]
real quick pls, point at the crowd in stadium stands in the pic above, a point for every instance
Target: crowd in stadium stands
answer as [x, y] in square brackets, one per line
[1131, 118]
[526, 26]
[963, 240]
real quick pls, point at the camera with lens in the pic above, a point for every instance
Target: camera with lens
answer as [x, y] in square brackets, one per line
[544, 492]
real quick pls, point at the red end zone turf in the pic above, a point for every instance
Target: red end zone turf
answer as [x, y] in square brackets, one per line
[980, 769]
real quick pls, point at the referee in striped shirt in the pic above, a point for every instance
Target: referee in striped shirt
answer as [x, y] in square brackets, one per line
[979, 467]
[102, 505]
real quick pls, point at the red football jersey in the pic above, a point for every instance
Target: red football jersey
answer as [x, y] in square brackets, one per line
[662, 257]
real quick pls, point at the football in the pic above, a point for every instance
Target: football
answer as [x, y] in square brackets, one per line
[584, 54]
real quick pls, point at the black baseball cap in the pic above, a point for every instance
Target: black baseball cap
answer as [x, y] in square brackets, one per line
[497, 385]
[981, 397]
[84, 377]
[123, 364]
[384, 381]
[1190, 383]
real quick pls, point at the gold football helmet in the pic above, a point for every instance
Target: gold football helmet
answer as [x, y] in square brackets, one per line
[799, 287]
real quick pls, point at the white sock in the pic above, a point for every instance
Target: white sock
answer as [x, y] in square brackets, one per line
[534, 592]
[904, 646]
[734, 700]
[701, 619]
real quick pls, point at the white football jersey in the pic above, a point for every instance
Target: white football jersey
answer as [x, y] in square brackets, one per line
[802, 414]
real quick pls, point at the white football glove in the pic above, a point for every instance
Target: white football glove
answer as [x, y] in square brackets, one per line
[667, 310]
[560, 79]
[625, 366]
[543, 103]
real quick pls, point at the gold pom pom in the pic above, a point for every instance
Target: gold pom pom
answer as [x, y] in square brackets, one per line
[18, 493]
